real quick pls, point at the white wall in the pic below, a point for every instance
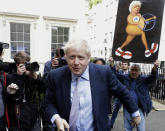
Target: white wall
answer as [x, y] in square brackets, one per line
[103, 22]
[102, 18]
[58, 8]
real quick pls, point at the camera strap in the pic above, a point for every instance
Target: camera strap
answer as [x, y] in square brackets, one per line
[18, 112]
[6, 111]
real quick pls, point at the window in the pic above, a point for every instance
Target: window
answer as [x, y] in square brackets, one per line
[60, 35]
[20, 38]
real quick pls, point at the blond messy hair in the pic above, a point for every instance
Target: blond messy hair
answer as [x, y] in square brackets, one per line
[78, 44]
[133, 3]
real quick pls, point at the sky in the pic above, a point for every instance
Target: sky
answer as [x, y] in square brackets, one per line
[44, 7]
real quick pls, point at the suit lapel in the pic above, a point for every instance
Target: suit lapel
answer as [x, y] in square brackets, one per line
[95, 84]
[66, 88]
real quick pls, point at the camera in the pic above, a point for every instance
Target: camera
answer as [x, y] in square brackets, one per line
[34, 66]
[4, 45]
[62, 61]
[5, 66]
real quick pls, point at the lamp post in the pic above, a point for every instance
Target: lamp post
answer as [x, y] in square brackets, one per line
[105, 54]
[105, 48]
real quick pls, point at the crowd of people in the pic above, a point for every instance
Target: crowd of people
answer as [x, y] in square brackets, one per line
[22, 93]
[74, 94]
[131, 77]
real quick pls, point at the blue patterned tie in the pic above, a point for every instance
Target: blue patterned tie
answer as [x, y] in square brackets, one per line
[74, 108]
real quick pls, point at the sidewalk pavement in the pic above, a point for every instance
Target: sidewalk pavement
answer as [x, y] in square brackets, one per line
[158, 106]
[154, 121]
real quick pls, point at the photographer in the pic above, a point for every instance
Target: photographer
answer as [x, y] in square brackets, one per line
[56, 62]
[22, 89]
[3, 67]
[51, 64]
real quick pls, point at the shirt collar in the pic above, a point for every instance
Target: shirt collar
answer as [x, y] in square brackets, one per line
[125, 72]
[85, 75]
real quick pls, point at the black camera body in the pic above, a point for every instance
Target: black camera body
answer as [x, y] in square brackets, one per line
[4, 45]
[62, 61]
[34, 66]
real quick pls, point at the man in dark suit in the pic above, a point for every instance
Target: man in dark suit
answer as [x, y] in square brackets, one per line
[89, 109]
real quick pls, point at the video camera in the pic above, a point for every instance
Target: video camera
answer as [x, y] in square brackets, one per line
[62, 61]
[4, 45]
[34, 66]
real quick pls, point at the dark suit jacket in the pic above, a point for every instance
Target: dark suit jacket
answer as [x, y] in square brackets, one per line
[47, 67]
[103, 83]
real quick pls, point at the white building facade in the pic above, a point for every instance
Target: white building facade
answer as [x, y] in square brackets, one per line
[38, 27]
[101, 25]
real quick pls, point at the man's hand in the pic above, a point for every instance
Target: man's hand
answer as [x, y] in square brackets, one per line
[31, 74]
[61, 124]
[111, 61]
[136, 121]
[21, 69]
[156, 65]
[12, 88]
[55, 63]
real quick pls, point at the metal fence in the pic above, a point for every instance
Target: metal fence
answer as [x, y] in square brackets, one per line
[157, 91]
[157, 88]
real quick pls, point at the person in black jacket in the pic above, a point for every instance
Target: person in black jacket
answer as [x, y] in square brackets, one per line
[4, 67]
[2, 102]
[100, 61]
[22, 89]
[138, 86]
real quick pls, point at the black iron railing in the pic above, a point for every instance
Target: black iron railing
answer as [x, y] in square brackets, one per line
[157, 91]
[157, 88]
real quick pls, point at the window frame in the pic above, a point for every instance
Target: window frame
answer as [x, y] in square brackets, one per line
[58, 43]
[23, 34]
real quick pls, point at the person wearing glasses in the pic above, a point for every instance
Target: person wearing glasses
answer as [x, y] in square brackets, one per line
[138, 85]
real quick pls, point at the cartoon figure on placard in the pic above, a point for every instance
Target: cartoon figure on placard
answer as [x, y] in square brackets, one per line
[137, 25]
